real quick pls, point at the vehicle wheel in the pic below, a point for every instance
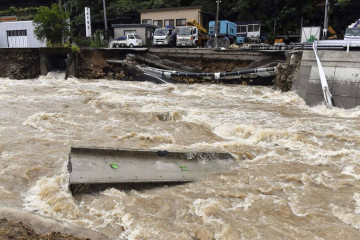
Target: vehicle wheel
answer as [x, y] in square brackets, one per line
[117, 45]
[131, 45]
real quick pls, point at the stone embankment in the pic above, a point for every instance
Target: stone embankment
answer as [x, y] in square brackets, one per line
[19, 63]
[287, 72]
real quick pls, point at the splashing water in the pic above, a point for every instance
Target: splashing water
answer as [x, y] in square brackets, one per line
[297, 174]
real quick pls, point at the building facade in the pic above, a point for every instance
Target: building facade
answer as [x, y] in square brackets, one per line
[176, 17]
[18, 34]
[145, 31]
[249, 29]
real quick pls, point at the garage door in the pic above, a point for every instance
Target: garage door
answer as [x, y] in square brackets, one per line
[17, 38]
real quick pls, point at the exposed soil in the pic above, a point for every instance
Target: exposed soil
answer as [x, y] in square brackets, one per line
[19, 64]
[92, 65]
[287, 72]
[18, 230]
[215, 66]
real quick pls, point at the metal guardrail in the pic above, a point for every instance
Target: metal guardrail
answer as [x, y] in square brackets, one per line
[330, 44]
[323, 81]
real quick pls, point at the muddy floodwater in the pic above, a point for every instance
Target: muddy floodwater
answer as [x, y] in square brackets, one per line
[297, 174]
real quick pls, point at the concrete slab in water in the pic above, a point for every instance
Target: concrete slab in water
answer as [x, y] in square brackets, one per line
[109, 166]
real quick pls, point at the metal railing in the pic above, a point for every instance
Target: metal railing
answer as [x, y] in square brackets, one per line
[331, 44]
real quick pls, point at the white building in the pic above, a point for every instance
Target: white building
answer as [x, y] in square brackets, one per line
[19, 34]
[249, 29]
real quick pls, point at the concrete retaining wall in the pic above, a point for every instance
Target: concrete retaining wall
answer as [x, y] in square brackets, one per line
[342, 70]
[218, 55]
[19, 63]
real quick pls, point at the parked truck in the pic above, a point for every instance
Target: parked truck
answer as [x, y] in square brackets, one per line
[164, 37]
[226, 34]
[130, 40]
[353, 31]
[192, 35]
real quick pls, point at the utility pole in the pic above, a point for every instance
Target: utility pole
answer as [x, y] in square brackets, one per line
[275, 27]
[326, 20]
[217, 22]
[105, 21]
[62, 34]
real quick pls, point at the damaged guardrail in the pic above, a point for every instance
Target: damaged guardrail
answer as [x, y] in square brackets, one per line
[169, 74]
[324, 84]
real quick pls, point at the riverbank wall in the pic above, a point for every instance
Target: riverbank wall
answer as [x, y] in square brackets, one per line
[20, 63]
[342, 71]
[92, 63]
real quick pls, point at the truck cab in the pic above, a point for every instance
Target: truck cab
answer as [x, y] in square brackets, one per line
[187, 36]
[352, 34]
[353, 31]
[164, 37]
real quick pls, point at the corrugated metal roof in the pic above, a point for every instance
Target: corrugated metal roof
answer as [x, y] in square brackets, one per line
[248, 22]
[144, 25]
[171, 9]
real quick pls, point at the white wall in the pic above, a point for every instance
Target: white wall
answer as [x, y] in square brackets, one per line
[306, 32]
[141, 31]
[30, 40]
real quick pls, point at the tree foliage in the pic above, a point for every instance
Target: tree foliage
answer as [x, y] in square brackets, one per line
[21, 13]
[51, 24]
[288, 14]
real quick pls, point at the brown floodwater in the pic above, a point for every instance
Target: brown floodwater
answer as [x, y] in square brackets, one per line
[296, 177]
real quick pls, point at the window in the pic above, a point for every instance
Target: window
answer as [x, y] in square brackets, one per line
[127, 32]
[17, 38]
[146, 21]
[169, 22]
[241, 29]
[181, 22]
[158, 23]
[254, 28]
[15, 33]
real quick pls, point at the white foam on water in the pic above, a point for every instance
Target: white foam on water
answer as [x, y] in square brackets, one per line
[347, 215]
[50, 196]
[201, 206]
[290, 150]
[336, 112]
[55, 75]
[349, 170]
[247, 203]
[46, 121]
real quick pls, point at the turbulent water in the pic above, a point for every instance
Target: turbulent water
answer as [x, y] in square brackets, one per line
[297, 173]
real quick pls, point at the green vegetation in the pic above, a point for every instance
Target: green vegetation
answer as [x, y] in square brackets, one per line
[21, 13]
[51, 24]
[95, 42]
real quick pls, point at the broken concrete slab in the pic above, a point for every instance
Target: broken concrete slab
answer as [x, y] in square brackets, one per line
[117, 166]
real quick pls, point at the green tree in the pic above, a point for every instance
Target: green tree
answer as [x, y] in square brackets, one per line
[51, 24]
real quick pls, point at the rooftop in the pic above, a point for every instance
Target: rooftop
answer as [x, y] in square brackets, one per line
[171, 9]
[133, 25]
[248, 22]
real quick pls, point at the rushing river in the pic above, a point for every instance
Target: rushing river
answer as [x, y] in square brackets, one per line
[297, 173]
